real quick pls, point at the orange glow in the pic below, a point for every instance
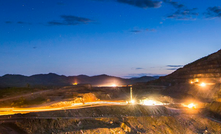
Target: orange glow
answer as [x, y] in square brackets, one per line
[191, 105]
[110, 85]
[150, 102]
[131, 102]
[11, 111]
[203, 84]
[196, 80]
[113, 85]
[75, 83]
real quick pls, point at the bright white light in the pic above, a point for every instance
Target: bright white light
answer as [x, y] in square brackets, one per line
[77, 104]
[149, 102]
[113, 85]
[202, 84]
[132, 101]
[191, 105]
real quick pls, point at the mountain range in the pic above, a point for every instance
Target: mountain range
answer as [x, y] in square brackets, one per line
[53, 79]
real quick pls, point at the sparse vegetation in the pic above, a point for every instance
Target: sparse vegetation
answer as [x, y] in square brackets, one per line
[14, 91]
[23, 102]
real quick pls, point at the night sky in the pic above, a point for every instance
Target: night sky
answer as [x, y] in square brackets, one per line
[126, 38]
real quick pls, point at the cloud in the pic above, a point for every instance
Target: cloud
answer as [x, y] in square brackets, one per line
[182, 12]
[213, 12]
[21, 22]
[142, 30]
[174, 65]
[55, 23]
[8, 22]
[143, 74]
[135, 31]
[175, 68]
[142, 3]
[70, 20]
[139, 68]
[139, 3]
[175, 4]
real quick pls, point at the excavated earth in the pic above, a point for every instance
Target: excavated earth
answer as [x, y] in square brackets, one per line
[136, 118]
[109, 120]
[185, 83]
[206, 69]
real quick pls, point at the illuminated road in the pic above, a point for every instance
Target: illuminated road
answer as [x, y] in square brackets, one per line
[11, 111]
[65, 106]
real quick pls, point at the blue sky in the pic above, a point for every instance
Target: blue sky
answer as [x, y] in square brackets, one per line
[124, 38]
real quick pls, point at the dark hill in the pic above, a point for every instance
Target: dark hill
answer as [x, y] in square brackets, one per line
[187, 80]
[52, 79]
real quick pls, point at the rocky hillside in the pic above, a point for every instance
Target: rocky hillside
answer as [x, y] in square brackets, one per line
[52, 79]
[109, 120]
[208, 67]
[200, 78]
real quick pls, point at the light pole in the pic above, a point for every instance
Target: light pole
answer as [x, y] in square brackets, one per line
[131, 96]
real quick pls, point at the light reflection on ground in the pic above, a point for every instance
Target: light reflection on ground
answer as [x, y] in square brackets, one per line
[11, 111]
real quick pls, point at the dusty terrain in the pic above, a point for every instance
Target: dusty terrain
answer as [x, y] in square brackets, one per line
[110, 120]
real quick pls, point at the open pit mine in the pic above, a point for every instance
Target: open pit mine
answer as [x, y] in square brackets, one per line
[188, 101]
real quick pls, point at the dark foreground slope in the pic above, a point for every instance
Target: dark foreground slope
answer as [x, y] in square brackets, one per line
[109, 120]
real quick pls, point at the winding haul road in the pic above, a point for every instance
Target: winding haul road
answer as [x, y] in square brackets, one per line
[12, 111]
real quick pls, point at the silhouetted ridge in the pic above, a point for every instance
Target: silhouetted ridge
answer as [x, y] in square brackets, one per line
[52, 79]
[205, 70]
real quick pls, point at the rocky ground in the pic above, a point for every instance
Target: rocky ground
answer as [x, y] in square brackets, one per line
[186, 82]
[110, 120]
